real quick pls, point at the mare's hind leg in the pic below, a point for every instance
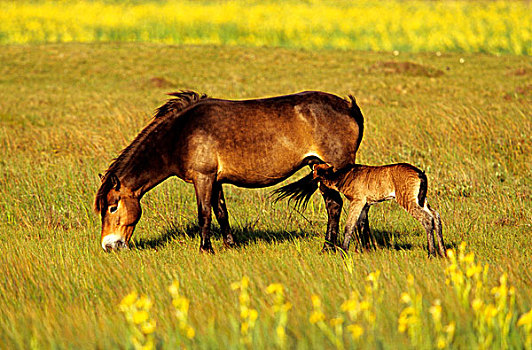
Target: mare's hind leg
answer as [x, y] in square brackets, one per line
[333, 203]
[220, 211]
[426, 219]
[356, 209]
[203, 184]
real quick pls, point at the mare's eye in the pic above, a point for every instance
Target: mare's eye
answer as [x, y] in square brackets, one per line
[113, 209]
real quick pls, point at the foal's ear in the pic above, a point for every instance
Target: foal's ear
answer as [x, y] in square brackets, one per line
[100, 176]
[320, 170]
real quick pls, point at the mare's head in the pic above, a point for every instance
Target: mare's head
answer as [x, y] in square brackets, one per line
[120, 211]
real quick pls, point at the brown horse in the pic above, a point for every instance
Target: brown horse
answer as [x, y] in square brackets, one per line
[249, 143]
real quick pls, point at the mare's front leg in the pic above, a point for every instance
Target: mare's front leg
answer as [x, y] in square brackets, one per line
[203, 185]
[220, 211]
[333, 203]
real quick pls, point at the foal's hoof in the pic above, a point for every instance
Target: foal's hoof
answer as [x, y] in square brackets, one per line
[435, 255]
[229, 242]
[229, 245]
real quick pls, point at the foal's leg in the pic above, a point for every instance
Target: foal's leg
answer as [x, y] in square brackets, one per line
[438, 229]
[368, 240]
[203, 185]
[220, 211]
[356, 209]
[427, 220]
[333, 203]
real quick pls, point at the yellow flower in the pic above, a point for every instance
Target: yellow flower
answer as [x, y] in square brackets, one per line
[280, 331]
[364, 305]
[274, 288]
[355, 330]
[129, 299]
[316, 316]
[407, 311]
[244, 327]
[245, 282]
[244, 311]
[403, 324]
[148, 327]
[410, 279]
[450, 328]
[441, 343]
[190, 333]
[316, 302]
[287, 306]
[374, 276]
[336, 321]
[525, 319]
[144, 302]
[435, 311]
[405, 298]
[473, 270]
[140, 316]
[477, 304]
[450, 254]
[469, 258]
[174, 288]
[253, 315]
[490, 311]
[349, 305]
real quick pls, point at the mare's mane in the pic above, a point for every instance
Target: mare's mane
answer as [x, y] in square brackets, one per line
[182, 99]
[174, 106]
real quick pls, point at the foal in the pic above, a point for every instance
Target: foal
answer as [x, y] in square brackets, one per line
[366, 185]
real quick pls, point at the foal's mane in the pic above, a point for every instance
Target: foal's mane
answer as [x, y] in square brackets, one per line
[173, 107]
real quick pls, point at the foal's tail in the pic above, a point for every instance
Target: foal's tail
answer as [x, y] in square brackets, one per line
[299, 191]
[422, 195]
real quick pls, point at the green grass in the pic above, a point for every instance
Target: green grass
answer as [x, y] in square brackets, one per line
[66, 110]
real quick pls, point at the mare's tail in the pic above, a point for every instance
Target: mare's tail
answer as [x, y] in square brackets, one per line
[299, 191]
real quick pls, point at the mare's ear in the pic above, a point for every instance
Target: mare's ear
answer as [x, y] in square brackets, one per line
[100, 176]
[114, 180]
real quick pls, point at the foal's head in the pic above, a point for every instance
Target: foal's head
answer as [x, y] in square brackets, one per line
[120, 211]
[324, 173]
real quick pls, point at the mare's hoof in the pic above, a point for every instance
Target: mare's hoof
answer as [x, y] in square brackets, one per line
[328, 248]
[206, 250]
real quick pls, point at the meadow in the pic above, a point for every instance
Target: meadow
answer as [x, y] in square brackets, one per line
[68, 108]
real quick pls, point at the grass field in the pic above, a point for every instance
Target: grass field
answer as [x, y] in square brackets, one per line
[67, 109]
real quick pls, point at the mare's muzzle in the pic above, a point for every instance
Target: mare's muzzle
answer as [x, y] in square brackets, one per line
[109, 244]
